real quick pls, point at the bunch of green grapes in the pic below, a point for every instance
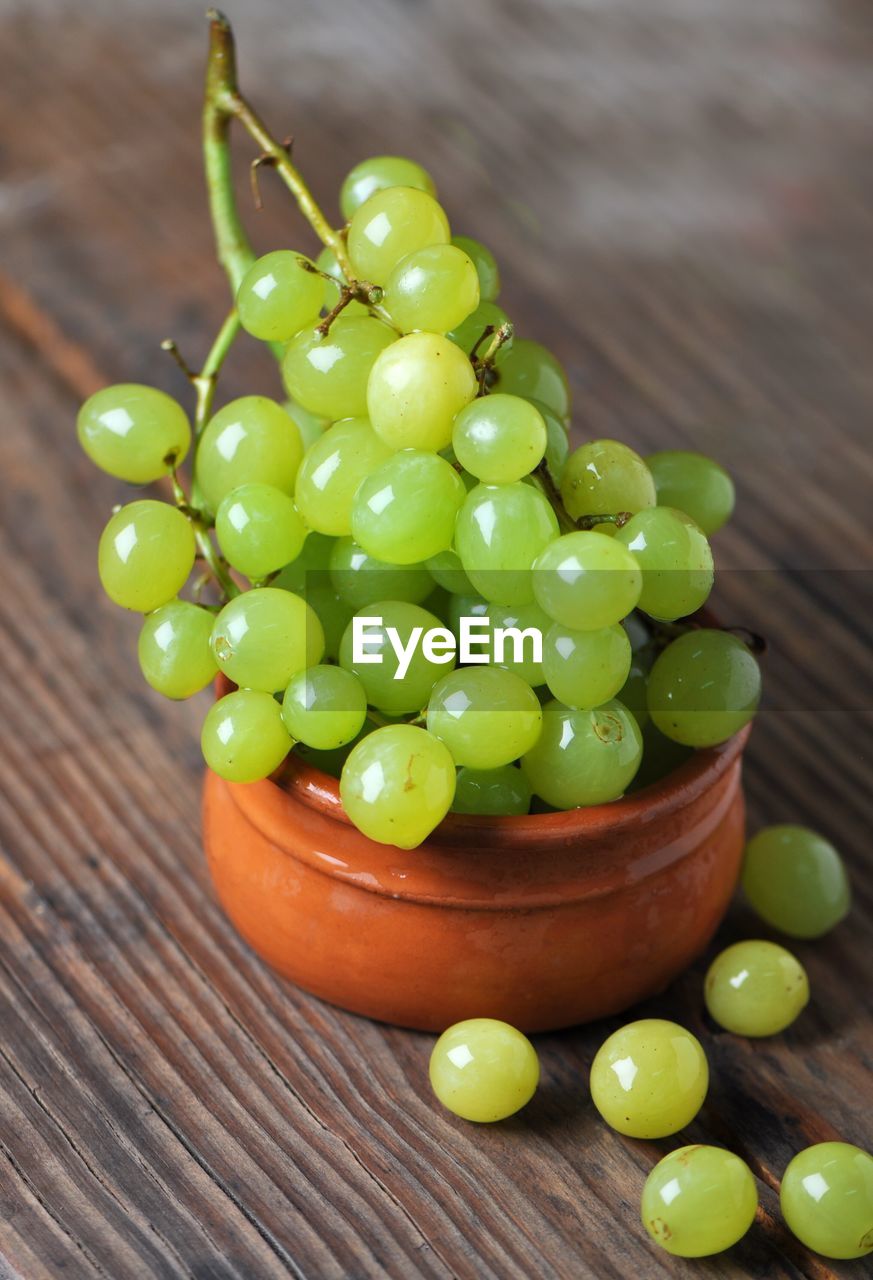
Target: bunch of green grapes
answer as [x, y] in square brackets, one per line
[418, 472]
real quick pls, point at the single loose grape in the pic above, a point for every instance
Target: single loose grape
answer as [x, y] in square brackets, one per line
[649, 1078]
[264, 637]
[174, 652]
[250, 441]
[605, 477]
[586, 582]
[331, 472]
[324, 707]
[584, 669]
[390, 225]
[376, 174]
[133, 432]
[528, 369]
[704, 688]
[694, 484]
[259, 529]
[675, 560]
[327, 262]
[416, 387]
[474, 331]
[484, 1070]
[404, 512]
[327, 373]
[796, 881]
[698, 1201]
[397, 785]
[485, 263]
[499, 438]
[145, 555]
[435, 288]
[500, 532]
[755, 989]
[502, 792]
[583, 757]
[279, 294]
[517, 653]
[385, 626]
[243, 737]
[487, 717]
[827, 1199]
[360, 579]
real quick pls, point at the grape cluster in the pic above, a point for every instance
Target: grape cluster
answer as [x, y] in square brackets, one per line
[419, 472]
[650, 1078]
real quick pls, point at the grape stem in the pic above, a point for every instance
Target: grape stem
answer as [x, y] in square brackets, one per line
[204, 382]
[565, 520]
[483, 364]
[225, 103]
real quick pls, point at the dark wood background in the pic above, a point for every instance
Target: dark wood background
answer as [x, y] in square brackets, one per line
[680, 195]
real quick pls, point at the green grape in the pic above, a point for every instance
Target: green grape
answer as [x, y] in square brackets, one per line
[309, 568]
[331, 472]
[325, 707]
[145, 555]
[333, 612]
[586, 582]
[513, 655]
[259, 529]
[501, 530]
[397, 785]
[390, 225]
[434, 288]
[634, 691]
[405, 511]
[485, 263]
[694, 484]
[487, 717]
[484, 1070]
[605, 477]
[796, 881]
[243, 738]
[394, 684]
[264, 637]
[378, 173]
[661, 757]
[502, 792]
[469, 333]
[327, 262]
[327, 373]
[584, 669]
[472, 606]
[250, 441]
[279, 294]
[174, 652]
[827, 1199]
[584, 757]
[331, 762]
[133, 432]
[499, 438]
[704, 688]
[360, 579]
[698, 1201]
[528, 369]
[675, 560]
[638, 630]
[557, 442]
[447, 572]
[416, 388]
[755, 989]
[310, 426]
[649, 1078]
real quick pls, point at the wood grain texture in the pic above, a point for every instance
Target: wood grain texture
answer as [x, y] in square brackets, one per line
[680, 196]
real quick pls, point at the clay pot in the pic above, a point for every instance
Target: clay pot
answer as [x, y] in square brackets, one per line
[543, 921]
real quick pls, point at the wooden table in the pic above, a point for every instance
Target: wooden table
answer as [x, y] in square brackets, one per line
[680, 196]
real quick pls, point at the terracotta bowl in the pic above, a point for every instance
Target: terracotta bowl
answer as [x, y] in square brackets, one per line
[543, 921]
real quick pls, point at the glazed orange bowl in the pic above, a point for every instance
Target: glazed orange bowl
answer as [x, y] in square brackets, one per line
[544, 921]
